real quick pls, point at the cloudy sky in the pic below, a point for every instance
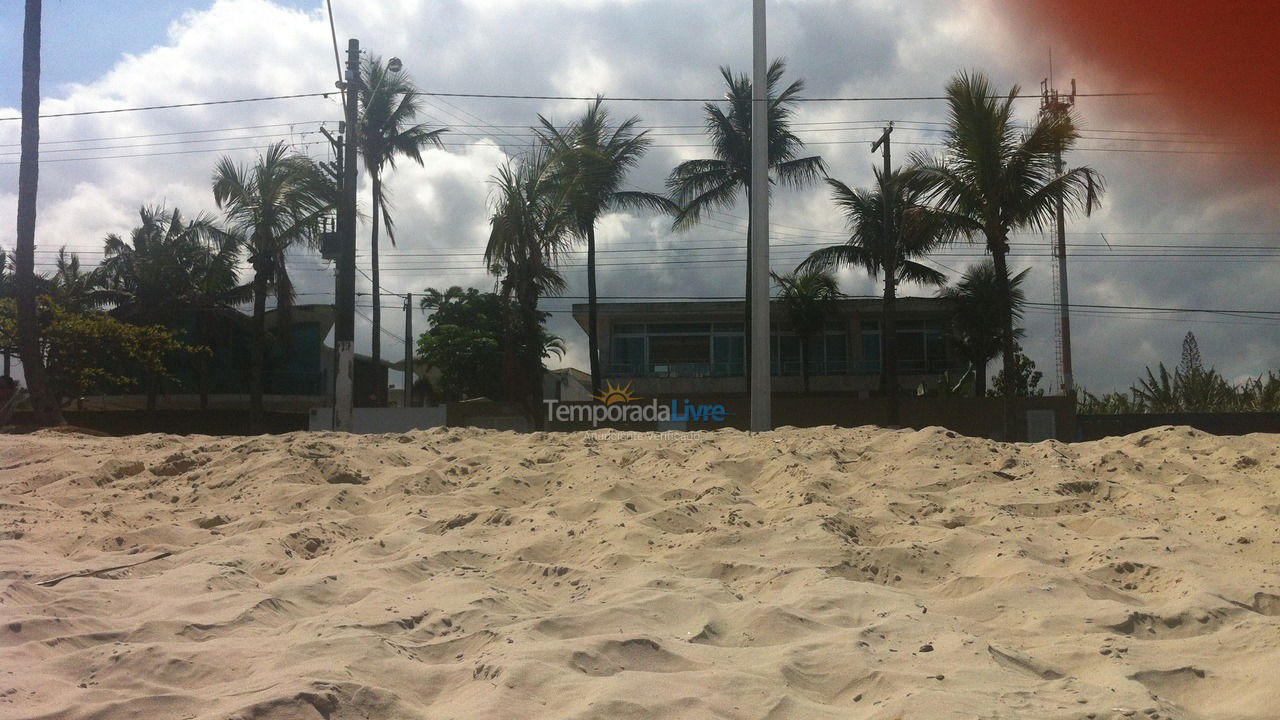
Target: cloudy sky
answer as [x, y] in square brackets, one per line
[1177, 185]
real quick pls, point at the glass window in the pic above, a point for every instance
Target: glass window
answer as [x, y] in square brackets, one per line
[911, 351]
[678, 328]
[677, 349]
[835, 353]
[726, 355]
[788, 356]
[627, 357]
[871, 345]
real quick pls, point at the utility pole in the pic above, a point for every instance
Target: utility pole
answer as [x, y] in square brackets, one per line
[408, 349]
[889, 329]
[1054, 103]
[345, 326]
[761, 412]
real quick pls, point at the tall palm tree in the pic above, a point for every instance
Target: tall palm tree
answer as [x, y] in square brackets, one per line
[273, 206]
[977, 327]
[995, 177]
[45, 405]
[530, 229]
[914, 230]
[591, 159]
[808, 297]
[388, 129]
[170, 269]
[701, 186]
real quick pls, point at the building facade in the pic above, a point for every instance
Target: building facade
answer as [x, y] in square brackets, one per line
[672, 348]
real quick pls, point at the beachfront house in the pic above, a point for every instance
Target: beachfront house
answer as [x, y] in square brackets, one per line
[697, 348]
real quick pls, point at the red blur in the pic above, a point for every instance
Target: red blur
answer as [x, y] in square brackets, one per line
[1215, 61]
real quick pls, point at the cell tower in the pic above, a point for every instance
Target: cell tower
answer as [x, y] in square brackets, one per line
[1054, 103]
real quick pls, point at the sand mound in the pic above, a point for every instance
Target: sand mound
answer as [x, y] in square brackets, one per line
[820, 573]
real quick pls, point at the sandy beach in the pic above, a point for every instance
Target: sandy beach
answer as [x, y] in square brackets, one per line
[817, 573]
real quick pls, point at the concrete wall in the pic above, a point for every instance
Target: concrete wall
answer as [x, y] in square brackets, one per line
[1093, 427]
[372, 421]
[175, 422]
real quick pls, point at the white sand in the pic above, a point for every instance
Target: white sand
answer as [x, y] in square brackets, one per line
[798, 574]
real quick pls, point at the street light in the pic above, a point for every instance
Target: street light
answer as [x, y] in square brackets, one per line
[394, 65]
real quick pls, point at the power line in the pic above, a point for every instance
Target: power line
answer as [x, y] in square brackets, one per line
[203, 103]
[511, 96]
[880, 98]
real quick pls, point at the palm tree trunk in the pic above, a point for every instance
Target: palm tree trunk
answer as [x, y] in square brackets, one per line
[804, 364]
[593, 330]
[533, 363]
[202, 363]
[380, 389]
[257, 356]
[999, 247]
[889, 334]
[980, 378]
[44, 403]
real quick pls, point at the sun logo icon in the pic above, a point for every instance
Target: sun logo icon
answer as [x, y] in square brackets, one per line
[614, 394]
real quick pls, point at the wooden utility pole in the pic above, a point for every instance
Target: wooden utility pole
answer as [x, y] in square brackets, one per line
[44, 404]
[888, 324]
[345, 324]
[408, 349]
[761, 410]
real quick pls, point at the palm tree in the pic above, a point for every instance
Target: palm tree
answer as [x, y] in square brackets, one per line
[701, 186]
[73, 288]
[274, 206]
[977, 327]
[170, 269]
[45, 405]
[995, 178]
[387, 130]
[530, 228]
[914, 230]
[808, 297]
[591, 159]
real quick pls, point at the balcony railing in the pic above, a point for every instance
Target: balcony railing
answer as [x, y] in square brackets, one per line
[713, 370]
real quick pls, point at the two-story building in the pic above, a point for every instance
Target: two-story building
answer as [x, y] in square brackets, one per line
[698, 348]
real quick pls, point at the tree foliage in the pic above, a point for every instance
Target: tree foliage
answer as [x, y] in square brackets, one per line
[464, 340]
[1189, 387]
[808, 297]
[87, 352]
[976, 328]
[1025, 379]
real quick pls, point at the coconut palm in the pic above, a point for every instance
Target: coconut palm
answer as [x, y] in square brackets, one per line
[530, 228]
[914, 230]
[72, 287]
[976, 329]
[704, 185]
[808, 297]
[45, 405]
[591, 159]
[996, 177]
[171, 269]
[388, 129]
[273, 206]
